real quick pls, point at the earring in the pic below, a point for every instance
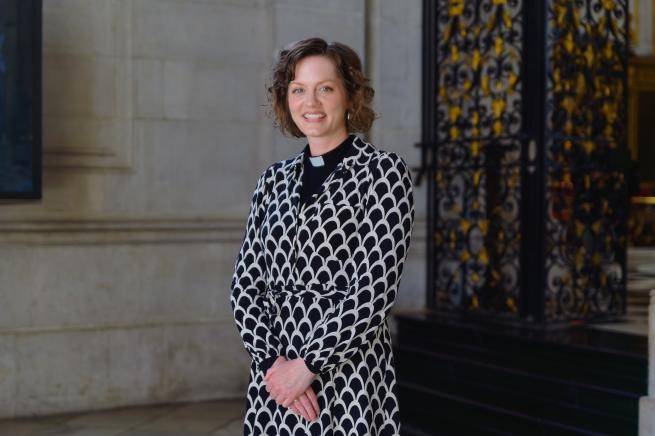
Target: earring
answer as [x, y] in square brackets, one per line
[348, 115]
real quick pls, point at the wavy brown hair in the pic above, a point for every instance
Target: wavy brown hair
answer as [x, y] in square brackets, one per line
[349, 67]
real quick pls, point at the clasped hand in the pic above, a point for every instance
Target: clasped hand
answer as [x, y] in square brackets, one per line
[290, 380]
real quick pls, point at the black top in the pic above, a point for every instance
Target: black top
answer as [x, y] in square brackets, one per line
[317, 168]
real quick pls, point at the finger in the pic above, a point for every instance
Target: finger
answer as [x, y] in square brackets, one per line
[303, 410]
[307, 405]
[313, 399]
[269, 371]
[286, 401]
[281, 400]
[295, 410]
[287, 395]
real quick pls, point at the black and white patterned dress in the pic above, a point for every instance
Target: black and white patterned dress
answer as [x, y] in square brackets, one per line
[317, 280]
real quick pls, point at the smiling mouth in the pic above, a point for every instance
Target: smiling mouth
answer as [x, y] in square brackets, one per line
[312, 117]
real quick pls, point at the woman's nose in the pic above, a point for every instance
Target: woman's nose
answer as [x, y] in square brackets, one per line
[311, 99]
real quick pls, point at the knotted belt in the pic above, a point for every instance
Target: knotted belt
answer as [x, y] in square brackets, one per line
[276, 293]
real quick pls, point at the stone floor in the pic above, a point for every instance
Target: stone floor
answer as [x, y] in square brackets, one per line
[641, 280]
[218, 418]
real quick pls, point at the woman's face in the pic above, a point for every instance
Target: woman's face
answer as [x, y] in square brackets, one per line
[317, 99]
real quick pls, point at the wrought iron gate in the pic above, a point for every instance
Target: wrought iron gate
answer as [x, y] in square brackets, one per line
[524, 149]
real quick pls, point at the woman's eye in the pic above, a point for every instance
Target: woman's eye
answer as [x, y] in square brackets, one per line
[326, 88]
[296, 89]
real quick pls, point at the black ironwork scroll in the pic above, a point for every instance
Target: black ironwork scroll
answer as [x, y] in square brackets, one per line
[586, 190]
[524, 126]
[476, 172]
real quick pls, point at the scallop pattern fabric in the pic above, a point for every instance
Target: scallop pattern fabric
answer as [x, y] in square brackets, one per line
[317, 281]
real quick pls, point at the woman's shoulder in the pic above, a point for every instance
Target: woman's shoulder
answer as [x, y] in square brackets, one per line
[276, 168]
[383, 159]
[378, 157]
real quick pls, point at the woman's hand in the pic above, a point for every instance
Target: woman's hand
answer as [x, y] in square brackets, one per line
[278, 360]
[287, 380]
[306, 405]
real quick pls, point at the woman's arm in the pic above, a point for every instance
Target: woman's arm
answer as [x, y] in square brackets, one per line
[249, 285]
[385, 237]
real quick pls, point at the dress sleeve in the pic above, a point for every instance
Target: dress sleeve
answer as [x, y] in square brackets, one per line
[385, 236]
[247, 291]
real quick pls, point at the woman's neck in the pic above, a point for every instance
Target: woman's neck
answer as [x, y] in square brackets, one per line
[319, 146]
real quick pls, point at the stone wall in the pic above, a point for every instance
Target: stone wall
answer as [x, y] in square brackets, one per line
[114, 289]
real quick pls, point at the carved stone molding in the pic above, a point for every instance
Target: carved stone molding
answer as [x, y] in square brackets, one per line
[110, 327]
[109, 231]
[106, 231]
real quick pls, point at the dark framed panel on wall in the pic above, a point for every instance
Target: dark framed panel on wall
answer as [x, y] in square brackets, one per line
[20, 99]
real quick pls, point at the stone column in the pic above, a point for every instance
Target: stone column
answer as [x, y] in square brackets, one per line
[647, 404]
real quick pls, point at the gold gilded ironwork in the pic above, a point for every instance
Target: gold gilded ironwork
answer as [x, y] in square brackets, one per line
[479, 55]
[456, 7]
[587, 127]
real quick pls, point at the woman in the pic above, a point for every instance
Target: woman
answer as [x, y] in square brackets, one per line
[318, 271]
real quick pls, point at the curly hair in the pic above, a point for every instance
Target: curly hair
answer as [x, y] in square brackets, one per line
[349, 68]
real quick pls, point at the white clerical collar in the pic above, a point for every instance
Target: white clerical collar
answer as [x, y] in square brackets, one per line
[316, 161]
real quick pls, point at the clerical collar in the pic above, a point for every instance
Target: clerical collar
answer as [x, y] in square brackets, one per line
[333, 156]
